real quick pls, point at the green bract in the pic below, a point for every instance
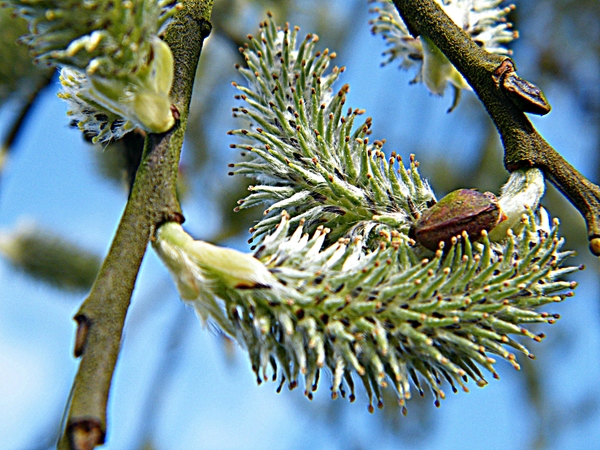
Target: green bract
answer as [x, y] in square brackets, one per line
[336, 283]
[117, 73]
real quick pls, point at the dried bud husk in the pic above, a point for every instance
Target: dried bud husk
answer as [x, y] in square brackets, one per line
[464, 210]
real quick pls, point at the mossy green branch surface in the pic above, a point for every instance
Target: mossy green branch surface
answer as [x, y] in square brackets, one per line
[523, 145]
[152, 201]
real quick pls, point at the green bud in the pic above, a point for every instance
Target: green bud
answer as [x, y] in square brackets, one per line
[225, 266]
[202, 270]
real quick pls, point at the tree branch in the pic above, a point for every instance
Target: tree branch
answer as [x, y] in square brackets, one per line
[523, 145]
[153, 200]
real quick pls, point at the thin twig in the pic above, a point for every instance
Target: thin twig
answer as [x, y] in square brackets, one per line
[523, 145]
[153, 200]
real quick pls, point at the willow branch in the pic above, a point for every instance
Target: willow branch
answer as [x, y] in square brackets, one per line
[153, 200]
[523, 145]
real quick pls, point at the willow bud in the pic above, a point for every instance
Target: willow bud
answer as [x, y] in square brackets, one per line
[464, 210]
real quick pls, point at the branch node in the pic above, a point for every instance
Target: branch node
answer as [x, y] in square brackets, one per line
[595, 245]
[83, 327]
[85, 434]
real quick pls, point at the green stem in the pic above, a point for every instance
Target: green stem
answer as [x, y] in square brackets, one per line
[153, 200]
[523, 145]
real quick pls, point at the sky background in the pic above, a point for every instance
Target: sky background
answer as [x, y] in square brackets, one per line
[178, 385]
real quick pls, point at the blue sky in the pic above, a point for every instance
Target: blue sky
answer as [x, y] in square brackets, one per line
[209, 399]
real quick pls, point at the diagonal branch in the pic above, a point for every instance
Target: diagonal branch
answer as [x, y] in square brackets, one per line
[16, 126]
[153, 200]
[523, 145]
